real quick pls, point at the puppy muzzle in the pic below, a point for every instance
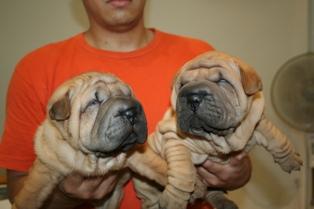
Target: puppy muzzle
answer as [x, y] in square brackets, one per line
[120, 124]
[203, 108]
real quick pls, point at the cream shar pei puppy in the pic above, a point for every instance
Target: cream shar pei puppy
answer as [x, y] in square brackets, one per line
[93, 121]
[217, 109]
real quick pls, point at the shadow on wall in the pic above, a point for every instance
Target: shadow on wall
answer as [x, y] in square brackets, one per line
[78, 13]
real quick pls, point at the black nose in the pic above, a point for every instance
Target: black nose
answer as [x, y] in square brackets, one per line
[194, 101]
[130, 114]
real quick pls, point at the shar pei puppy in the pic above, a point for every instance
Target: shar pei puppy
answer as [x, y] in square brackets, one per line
[217, 109]
[93, 124]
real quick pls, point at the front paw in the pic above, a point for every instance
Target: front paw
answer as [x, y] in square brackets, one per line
[168, 201]
[199, 191]
[291, 162]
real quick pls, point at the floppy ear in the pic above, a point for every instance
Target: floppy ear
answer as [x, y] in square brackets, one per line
[251, 81]
[61, 109]
[174, 92]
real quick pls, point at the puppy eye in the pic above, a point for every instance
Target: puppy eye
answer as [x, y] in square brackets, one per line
[225, 84]
[222, 82]
[92, 102]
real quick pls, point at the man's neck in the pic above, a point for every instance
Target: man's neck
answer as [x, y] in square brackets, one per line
[125, 41]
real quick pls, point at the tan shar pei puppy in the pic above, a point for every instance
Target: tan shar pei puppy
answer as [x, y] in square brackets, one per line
[217, 109]
[93, 121]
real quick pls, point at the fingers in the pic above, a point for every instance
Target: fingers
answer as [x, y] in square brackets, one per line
[73, 179]
[80, 187]
[231, 175]
[105, 187]
[209, 179]
[238, 159]
[89, 186]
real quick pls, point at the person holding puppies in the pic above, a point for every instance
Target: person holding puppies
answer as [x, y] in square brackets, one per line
[118, 42]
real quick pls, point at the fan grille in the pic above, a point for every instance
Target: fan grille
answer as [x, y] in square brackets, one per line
[293, 92]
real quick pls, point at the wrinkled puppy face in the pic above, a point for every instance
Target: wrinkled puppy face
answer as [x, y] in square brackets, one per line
[99, 114]
[209, 97]
[206, 106]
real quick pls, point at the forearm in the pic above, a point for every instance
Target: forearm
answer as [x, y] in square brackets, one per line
[235, 174]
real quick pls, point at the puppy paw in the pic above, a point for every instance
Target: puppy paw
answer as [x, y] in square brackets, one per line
[166, 202]
[291, 162]
[199, 191]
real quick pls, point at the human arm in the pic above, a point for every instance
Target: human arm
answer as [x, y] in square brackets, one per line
[73, 191]
[232, 175]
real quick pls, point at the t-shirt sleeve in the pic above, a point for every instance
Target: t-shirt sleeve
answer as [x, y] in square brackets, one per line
[24, 113]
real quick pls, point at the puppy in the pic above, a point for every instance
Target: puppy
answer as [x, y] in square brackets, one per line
[217, 109]
[93, 124]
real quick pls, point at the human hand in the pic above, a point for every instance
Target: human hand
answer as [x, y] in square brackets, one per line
[232, 175]
[87, 188]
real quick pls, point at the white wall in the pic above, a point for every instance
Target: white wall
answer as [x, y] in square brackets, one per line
[265, 33]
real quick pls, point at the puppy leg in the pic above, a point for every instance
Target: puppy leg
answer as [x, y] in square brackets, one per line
[145, 162]
[178, 176]
[147, 165]
[37, 187]
[147, 191]
[181, 176]
[199, 192]
[216, 198]
[273, 140]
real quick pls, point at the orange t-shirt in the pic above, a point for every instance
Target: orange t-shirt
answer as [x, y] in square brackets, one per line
[149, 71]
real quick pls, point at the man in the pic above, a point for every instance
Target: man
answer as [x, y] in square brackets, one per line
[117, 42]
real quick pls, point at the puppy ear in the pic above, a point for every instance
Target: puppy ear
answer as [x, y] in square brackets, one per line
[174, 93]
[251, 81]
[61, 109]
